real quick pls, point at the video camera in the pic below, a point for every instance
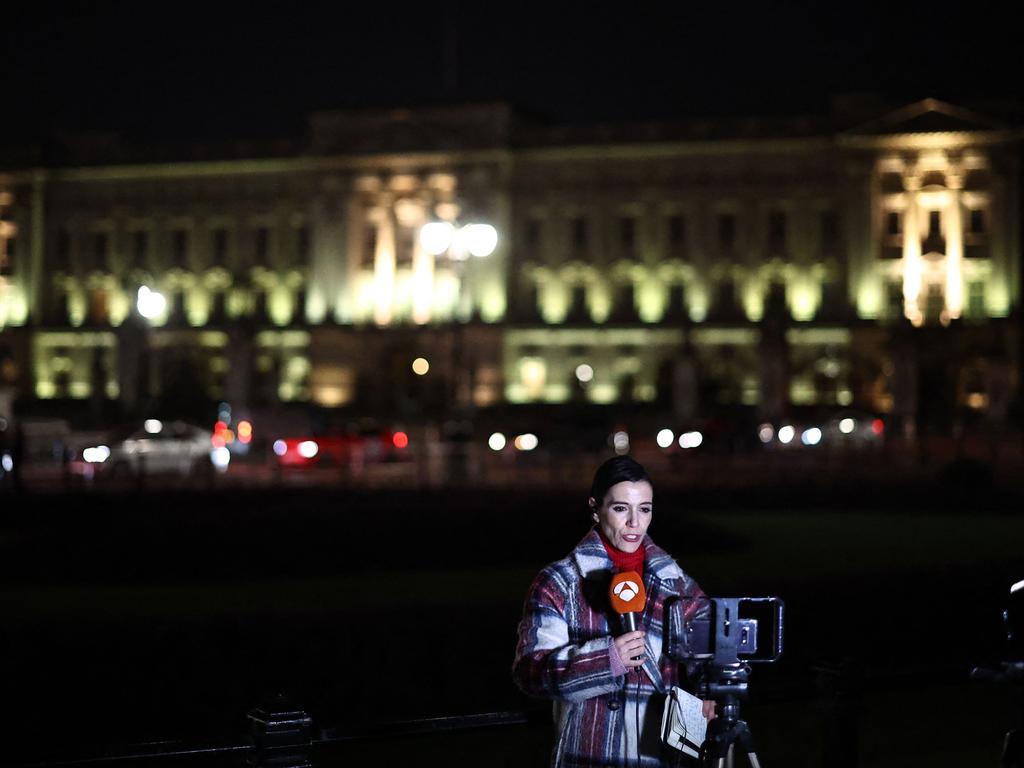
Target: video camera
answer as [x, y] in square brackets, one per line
[1011, 670]
[1012, 666]
[723, 631]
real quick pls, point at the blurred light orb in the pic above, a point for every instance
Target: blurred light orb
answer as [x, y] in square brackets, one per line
[690, 439]
[400, 440]
[526, 442]
[786, 434]
[811, 436]
[481, 239]
[96, 455]
[436, 237]
[496, 441]
[280, 447]
[665, 438]
[846, 426]
[420, 366]
[220, 457]
[459, 248]
[7, 463]
[150, 303]
[620, 442]
[584, 373]
[765, 433]
[153, 426]
[308, 449]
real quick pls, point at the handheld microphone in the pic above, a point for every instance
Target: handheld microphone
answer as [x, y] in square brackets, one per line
[628, 598]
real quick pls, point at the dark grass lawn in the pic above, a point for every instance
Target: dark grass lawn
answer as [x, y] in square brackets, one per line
[133, 618]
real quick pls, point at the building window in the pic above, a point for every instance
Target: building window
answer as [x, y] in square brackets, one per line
[976, 299]
[894, 297]
[776, 233]
[893, 223]
[532, 236]
[405, 243]
[179, 248]
[533, 376]
[934, 302]
[8, 247]
[579, 235]
[891, 252]
[676, 233]
[140, 248]
[934, 243]
[830, 233]
[369, 254]
[302, 244]
[727, 233]
[627, 235]
[63, 254]
[220, 246]
[262, 246]
[100, 250]
[977, 221]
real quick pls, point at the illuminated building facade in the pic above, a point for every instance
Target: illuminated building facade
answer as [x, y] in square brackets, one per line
[688, 266]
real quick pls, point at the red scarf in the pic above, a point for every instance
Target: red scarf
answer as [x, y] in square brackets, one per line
[624, 561]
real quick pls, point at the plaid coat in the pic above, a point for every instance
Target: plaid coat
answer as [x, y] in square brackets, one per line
[562, 654]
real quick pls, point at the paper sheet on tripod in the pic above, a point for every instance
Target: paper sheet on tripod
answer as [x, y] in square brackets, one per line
[683, 725]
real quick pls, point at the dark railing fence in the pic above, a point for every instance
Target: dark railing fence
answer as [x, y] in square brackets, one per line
[283, 736]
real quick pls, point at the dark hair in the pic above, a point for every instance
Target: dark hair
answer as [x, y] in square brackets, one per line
[618, 469]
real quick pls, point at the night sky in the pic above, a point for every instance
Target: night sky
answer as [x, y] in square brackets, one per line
[184, 70]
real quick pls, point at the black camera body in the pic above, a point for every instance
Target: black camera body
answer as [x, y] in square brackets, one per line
[722, 631]
[1013, 617]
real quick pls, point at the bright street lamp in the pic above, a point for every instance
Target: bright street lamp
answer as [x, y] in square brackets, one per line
[436, 237]
[151, 304]
[440, 237]
[456, 244]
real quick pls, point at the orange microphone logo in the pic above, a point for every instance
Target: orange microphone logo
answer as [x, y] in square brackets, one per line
[627, 593]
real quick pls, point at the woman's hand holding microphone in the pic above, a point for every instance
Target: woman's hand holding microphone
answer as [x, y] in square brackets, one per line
[630, 648]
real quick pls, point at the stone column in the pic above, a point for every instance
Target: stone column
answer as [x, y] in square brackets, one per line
[384, 263]
[954, 250]
[36, 290]
[422, 277]
[912, 266]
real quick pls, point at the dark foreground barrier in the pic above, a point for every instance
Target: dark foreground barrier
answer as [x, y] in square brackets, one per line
[284, 737]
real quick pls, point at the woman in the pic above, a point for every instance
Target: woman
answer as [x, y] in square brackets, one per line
[608, 686]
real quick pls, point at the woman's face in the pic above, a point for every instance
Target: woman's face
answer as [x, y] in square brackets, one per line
[624, 514]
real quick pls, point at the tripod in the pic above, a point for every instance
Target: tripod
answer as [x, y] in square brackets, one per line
[1011, 673]
[727, 685]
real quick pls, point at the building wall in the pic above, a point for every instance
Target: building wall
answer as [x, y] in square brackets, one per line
[765, 272]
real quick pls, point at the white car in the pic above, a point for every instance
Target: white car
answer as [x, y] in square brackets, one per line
[156, 448]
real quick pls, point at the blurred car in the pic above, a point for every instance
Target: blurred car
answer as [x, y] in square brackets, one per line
[341, 448]
[154, 448]
[848, 428]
